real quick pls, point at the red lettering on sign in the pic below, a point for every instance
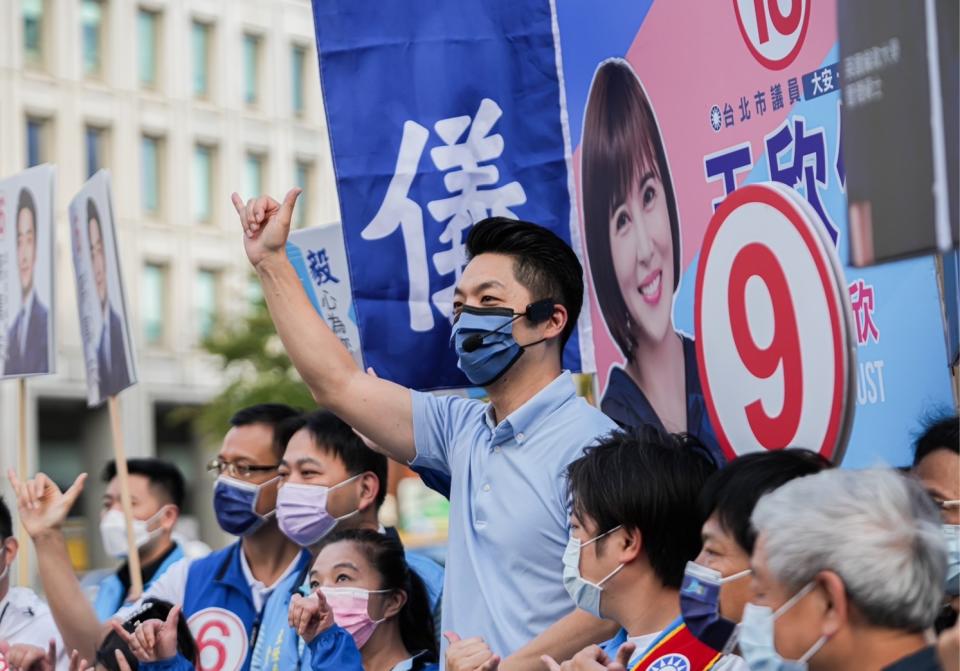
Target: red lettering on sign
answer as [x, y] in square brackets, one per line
[203, 643]
[756, 260]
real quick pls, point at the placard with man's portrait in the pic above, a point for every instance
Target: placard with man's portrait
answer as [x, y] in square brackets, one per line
[27, 343]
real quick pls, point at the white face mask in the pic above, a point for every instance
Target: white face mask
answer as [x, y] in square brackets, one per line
[113, 532]
[585, 594]
[756, 637]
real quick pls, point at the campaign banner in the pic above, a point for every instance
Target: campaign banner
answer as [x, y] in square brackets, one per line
[673, 105]
[318, 256]
[27, 342]
[104, 326]
[440, 114]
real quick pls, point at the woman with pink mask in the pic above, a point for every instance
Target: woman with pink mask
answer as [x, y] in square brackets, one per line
[367, 609]
[633, 244]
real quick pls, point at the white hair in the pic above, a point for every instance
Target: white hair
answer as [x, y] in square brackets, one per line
[877, 529]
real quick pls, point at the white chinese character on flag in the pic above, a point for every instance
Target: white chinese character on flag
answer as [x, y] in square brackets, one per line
[468, 148]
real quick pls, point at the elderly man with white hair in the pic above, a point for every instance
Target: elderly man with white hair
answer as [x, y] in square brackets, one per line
[848, 573]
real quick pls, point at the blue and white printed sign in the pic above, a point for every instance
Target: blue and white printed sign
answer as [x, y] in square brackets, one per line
[318, 256]
[440, 114]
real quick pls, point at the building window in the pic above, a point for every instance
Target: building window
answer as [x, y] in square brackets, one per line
[33, 31]
[153, 303]
[200, 36]
[302, 174]
[37, 130]
[298, 59]
[96, 141]
[151, 148]
[203, 157]
[91, 21]
[148, 28]
[206, 292]
[253, 175]
[251, 68]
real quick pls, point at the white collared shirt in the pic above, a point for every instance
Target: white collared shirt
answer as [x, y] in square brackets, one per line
[25, 310]
[105, 335]
[26, 619]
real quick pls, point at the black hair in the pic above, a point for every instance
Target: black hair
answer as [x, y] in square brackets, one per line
[542, 262]
[645, 479]
[335, 437]
[25, 201]
[621, 140]
[151, 609]
[387, 557]
[940, 432]
[163, 475]
[733, 491]
[6, 521]
[94, 213]
[285, 430]
[271, 414]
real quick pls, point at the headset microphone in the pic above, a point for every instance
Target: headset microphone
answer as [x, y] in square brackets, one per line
[536, 313]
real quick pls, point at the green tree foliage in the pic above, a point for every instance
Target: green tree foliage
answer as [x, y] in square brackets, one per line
[256, 370]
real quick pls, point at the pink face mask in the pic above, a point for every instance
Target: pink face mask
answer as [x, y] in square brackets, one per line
[349, 606]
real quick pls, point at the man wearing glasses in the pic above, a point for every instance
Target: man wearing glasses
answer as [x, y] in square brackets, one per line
[222, 595]
[936, 463]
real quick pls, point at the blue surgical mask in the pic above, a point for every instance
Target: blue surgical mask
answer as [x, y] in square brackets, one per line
[483, 340]
[700, 606]
[951, 534]
[585, 594]
[756, 637]
[235, 503]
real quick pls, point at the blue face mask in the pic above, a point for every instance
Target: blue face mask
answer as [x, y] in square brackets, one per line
[951, 534]
[235, 504]
[756, 639]
[700, 606]
[585, 594]
[483, 339]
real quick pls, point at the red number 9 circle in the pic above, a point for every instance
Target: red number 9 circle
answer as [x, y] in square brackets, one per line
[773, 326]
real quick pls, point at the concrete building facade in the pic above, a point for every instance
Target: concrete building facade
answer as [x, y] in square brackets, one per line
[184, 101]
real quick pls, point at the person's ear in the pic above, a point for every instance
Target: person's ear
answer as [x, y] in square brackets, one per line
[169, 517]
[393, 603]
[369, 485]
[12, 546]
[557, 322]
[837, 606]
[629, 544]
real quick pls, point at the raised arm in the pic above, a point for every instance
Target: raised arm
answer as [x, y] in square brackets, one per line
[43, 508]
[377, 408]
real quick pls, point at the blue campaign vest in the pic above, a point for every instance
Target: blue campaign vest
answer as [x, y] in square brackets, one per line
[277, 647]
[110, 591]
[219, 607]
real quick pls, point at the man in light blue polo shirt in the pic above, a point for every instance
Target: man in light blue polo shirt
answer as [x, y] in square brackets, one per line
[516, 304]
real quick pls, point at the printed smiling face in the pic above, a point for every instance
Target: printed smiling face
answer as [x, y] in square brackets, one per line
[631, 224]
[641, 244]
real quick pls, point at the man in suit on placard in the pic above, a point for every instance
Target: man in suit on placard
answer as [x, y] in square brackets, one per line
[111, 355]
[27, 344]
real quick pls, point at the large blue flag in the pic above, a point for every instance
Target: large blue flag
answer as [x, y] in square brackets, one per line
[440, 114]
